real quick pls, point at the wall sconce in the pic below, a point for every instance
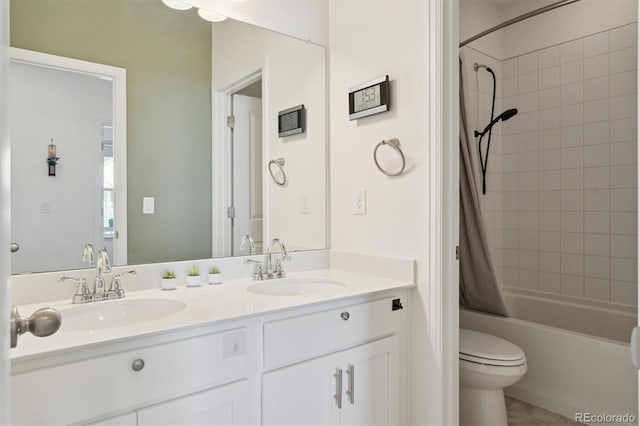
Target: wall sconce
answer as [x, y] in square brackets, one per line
[52, 160]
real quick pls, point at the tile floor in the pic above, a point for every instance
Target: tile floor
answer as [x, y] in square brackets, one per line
[520, 413]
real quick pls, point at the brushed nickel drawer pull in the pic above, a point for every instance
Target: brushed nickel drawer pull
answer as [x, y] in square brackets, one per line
[137, 364]
[338, 394]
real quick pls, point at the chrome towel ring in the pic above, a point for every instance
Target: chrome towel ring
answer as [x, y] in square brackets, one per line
[280, 164]
[395, 144]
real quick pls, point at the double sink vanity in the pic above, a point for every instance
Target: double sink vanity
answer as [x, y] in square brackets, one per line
[325, 345]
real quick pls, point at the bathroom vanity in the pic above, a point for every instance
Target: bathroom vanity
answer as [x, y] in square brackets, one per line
[233, 355]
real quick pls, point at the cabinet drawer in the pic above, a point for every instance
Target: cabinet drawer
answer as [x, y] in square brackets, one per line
[303, 337]
[91, 388]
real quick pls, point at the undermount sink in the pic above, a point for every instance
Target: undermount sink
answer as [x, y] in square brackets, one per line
[294, 286]
[117, 313]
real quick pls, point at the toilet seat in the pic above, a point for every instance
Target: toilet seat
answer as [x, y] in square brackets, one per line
[481, 348]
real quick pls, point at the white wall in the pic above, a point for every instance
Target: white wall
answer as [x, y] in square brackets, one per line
[70, 108]
[294, 73]
[586, 17]
[477, 16]
[303, 19]
[572, 150]
[395, 41]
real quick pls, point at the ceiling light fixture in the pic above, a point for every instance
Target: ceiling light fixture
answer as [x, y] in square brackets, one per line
[211, 16]
[177, 4]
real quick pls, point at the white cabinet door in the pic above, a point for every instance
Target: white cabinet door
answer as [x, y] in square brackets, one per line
[301, 395]
[226, 405]
[129, 419]
[371, 384]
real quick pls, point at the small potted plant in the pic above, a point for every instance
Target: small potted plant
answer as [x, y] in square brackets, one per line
[214, 276]
[193, 277]
[168, 281]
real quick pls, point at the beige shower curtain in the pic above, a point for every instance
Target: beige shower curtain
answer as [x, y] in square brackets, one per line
[479, 288]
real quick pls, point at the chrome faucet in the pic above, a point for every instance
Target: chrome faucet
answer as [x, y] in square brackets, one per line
[102, 265]
[83, 294]
[274, 268]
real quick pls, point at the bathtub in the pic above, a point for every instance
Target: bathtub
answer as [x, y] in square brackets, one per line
[569, 371]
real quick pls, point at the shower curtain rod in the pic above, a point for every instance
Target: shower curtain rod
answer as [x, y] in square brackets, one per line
[518, 19]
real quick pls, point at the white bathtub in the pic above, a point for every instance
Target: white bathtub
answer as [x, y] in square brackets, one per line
[569, 371]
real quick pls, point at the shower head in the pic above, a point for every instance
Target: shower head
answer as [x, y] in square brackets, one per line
[508, 114]
[502, 117]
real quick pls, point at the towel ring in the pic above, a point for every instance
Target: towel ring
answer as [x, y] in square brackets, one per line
[395, 144]
[279, 163]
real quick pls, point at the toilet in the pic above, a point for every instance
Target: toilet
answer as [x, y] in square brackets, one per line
[488, 364]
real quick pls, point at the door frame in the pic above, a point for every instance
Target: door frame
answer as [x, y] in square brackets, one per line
[444, 199]
[5, 217]
[118, 78]
[221, 178]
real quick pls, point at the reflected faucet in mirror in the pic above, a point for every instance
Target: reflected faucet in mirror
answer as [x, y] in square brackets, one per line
[88, 255]
[247, 240]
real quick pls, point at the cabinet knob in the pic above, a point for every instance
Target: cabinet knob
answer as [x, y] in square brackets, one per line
[345, 316]
[137, 364]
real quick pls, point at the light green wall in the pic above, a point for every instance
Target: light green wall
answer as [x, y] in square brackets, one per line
[167, 55]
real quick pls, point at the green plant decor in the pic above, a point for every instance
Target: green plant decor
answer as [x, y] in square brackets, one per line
[214, 270]
[168, 275]
[194, 271]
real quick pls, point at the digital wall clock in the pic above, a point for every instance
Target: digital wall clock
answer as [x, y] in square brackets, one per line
[369, 98]
[291, 121]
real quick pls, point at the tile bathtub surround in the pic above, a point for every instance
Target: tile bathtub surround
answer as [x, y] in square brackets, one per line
[563, 218]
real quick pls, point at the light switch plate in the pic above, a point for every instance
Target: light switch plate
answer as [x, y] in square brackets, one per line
[148, 205]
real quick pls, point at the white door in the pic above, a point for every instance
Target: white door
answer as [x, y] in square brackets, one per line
[247, 166]
[225, 406]
[5, 209]
[371, 384]
[302, 394]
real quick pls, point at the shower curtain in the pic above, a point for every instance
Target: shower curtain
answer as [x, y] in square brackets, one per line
[479, 288]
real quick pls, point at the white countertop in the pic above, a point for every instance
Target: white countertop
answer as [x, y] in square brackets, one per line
[206, 305]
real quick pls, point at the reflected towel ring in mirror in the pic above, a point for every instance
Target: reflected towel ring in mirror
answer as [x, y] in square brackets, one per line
[280, 164]
[395, 144]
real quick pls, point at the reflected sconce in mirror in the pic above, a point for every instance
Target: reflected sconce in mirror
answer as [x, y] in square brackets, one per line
[52, 159]
[206, 14]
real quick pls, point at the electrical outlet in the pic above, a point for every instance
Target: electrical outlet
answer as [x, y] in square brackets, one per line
[304, 204]
[360, 202]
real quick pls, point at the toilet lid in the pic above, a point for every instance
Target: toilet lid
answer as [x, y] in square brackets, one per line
[475, 345]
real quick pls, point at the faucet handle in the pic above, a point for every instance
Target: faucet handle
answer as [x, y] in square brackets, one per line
[257, 272]
[116, 283]
[82, 294]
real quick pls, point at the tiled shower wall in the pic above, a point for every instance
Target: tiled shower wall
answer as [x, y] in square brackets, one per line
[561, 206]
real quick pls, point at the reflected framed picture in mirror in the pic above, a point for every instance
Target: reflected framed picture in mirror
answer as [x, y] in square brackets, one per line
[291, 121]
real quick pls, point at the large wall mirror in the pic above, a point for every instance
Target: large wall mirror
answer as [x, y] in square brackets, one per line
[195, 184]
